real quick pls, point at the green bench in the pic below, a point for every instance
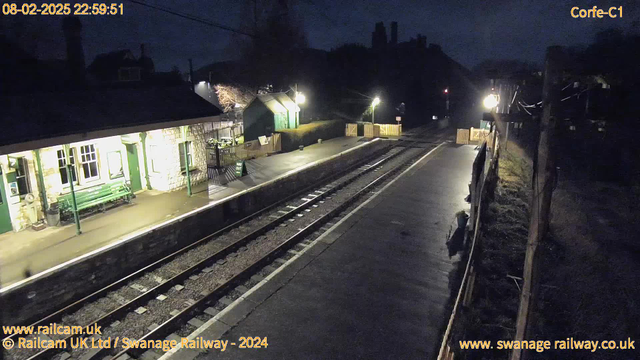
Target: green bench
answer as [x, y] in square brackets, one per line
[94, 196]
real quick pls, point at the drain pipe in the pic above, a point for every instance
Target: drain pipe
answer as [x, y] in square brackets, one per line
[43, 191]
[143, 140]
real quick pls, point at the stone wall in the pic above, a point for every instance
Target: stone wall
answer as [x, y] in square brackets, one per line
[162, 145]
[50, 290]
[164, 154]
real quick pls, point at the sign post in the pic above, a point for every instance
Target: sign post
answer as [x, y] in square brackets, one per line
[241, 168]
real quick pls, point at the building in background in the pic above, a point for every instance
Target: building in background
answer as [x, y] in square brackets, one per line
[268, 113]
[134, 136]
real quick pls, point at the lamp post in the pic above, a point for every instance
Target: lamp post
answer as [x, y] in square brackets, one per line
[300, 99]
[446, 92]
[374, 103]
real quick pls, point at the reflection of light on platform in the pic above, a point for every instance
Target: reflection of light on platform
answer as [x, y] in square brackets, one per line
[214, 189]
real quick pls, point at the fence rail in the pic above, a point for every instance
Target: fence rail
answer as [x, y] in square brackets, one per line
[484, 167]
[228, 156]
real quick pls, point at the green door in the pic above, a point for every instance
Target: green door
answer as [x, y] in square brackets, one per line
[134, 167]
[5, 219]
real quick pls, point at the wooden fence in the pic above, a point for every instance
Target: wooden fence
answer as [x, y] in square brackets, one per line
[249, 150]
[475, 136]
[351, 130]
[390, 129]
[462, 137]
[484, 170]
[371, 131]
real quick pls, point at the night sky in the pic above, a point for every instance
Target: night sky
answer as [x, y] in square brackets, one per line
[468, 31]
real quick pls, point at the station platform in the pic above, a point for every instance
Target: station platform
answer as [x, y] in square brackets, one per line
[376, 285]
[31, 252]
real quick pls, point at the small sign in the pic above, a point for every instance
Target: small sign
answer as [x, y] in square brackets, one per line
[263, 140]
[13, 189]
[241, 168]
[398, 118]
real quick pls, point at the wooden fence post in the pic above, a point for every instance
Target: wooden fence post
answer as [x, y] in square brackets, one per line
[543, 180]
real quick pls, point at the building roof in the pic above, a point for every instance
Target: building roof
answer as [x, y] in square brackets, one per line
[277, 102]
[49, 115]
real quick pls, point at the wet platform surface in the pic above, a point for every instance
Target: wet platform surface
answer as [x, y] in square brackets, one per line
[376, 286]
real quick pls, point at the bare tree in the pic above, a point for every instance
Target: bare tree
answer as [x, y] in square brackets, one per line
[270, 56]
[230, 97]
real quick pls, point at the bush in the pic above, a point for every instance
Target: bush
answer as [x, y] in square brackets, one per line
[309, 134]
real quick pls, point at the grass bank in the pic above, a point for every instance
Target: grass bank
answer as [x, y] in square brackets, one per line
[590, 268]
[492, 312]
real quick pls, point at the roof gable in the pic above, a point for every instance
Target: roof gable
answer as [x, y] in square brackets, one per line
[48, 115]
[278, 102]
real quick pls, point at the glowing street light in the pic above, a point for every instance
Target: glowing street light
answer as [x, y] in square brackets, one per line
[446, 92]
[374, 103]
[491, 101]
[299, 99]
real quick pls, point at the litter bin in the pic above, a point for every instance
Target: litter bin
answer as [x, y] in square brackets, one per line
[53, 215]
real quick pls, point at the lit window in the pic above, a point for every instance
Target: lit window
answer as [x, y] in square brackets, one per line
[114, 160]
[89, 161]
[22, 176]
[181, 149]
[62, 166]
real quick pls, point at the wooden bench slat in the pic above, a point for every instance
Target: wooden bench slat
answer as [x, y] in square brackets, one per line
[94, 196]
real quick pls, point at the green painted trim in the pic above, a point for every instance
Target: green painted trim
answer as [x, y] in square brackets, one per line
[76, 216]
[186, 165]
[43, 191]
[143, 140]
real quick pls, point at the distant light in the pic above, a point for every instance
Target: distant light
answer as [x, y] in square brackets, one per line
[201, 82]
[300, 98]
[490, 101]
[446, 91]
[375, 102]
[237, 105]
[434, 117]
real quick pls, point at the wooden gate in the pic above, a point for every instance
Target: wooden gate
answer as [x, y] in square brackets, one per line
[462, 136]
[390, 129]
[351, 130]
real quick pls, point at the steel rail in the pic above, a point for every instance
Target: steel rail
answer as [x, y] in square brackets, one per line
[168, 326]
[58, 314]
[165, 286]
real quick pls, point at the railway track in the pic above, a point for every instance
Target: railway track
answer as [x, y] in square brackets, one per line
[190, 286]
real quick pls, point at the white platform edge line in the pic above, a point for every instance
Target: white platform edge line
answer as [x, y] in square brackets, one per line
[136, 234]
[211, 321]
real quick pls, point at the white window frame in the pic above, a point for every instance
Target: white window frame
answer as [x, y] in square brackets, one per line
[74, 165]
[112, 174]
[87, 158]
[189, 156]
[23, 163]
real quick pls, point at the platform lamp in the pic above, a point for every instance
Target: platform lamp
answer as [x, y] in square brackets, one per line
[374, 103]
[300, 99]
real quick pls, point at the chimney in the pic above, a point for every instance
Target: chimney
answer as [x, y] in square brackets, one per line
[379, 37]
[394, 33]
[72, 28]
